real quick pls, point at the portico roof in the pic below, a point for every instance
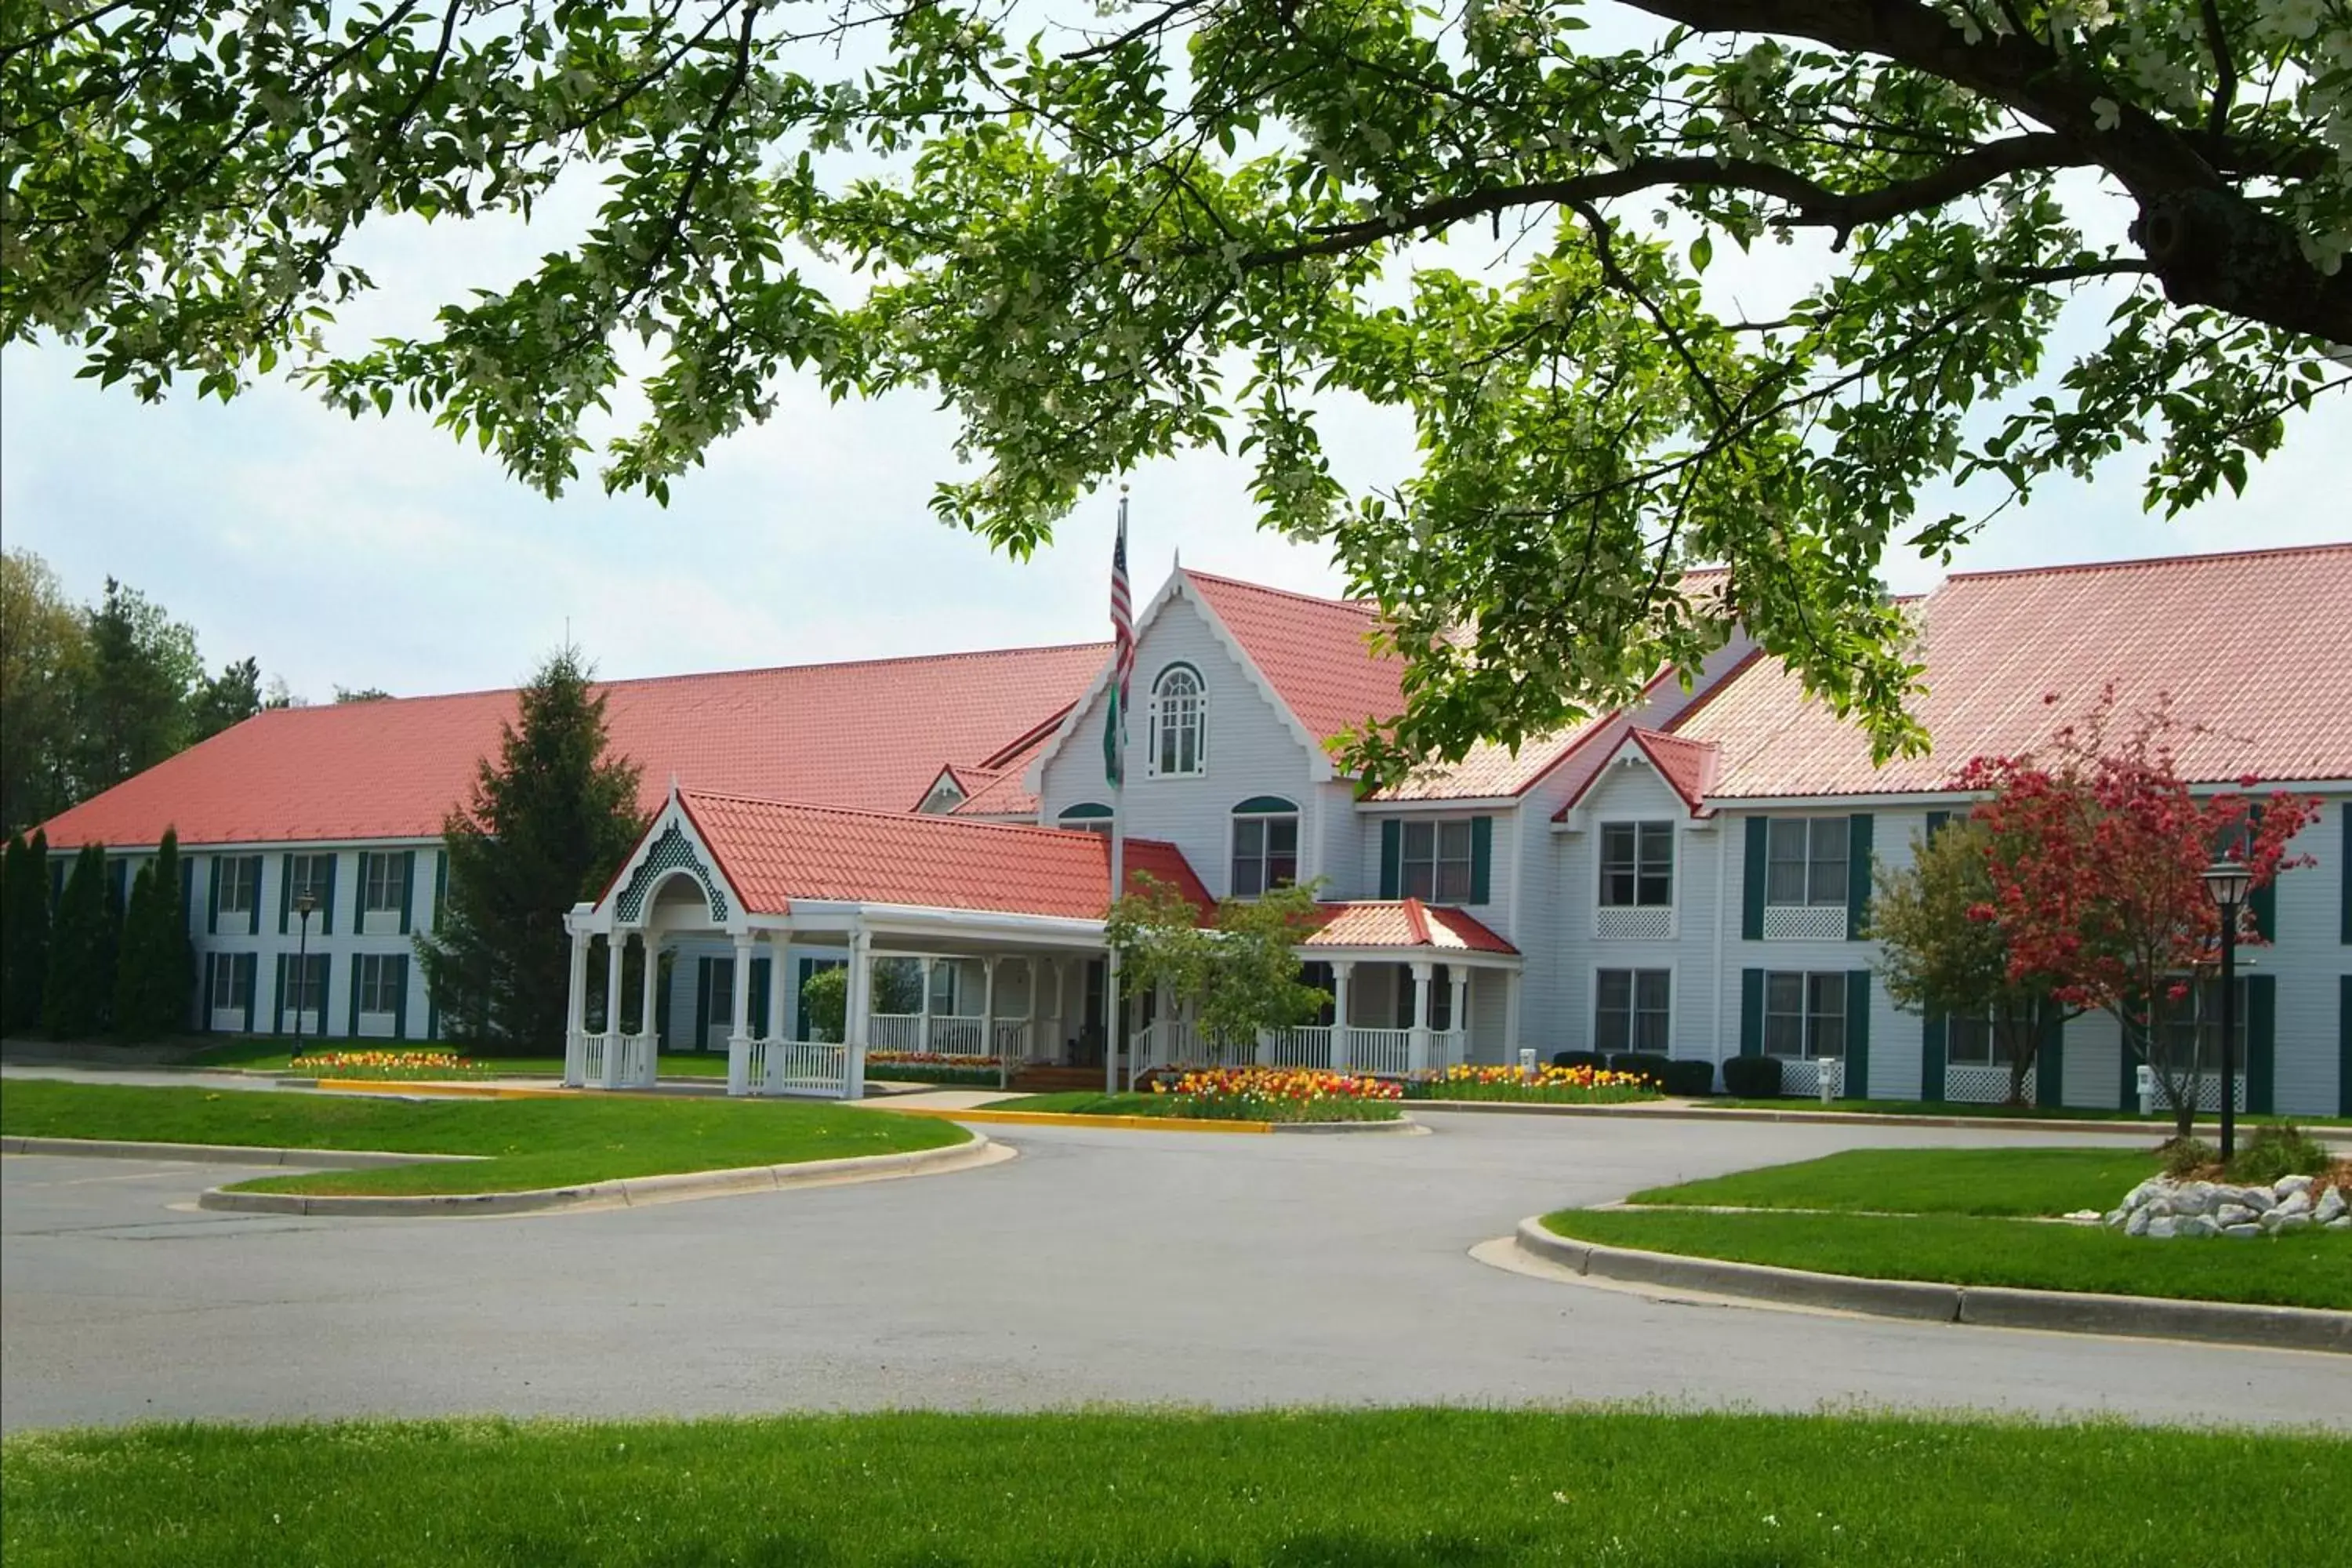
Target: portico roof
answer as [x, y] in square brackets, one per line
[1403, 923]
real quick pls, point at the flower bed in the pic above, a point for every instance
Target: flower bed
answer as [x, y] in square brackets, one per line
[392, 1065]
[1274, 1094]
[1550, 1085]
[932, 1066]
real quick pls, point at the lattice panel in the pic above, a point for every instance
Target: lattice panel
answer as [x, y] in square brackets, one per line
[1973, 1085]
[1804, 923]
[1634, 923]
[2209, 1093]
[672, 851]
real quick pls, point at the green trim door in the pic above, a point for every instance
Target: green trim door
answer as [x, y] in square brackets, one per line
[1935, 1043]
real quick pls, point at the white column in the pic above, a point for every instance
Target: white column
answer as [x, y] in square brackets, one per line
[1417, 1050]
[1341, 970]
[923, 1026]
[856, 1026]
[988, 1017]
[575, 1016]
[649, 990]
[739, 1019]
[778, 944]
[615, 944]
[1460, 1013]
[1511, 978]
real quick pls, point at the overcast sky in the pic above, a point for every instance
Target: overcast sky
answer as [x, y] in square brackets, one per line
[381, 553]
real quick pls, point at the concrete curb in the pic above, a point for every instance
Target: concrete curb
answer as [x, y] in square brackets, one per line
[1986, 1306]
[1143, 1123]
[629, 1193]
[223, 1153]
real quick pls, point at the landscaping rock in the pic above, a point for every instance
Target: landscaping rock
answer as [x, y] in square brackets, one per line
[2164, 1228]
[2233, 1214]
[2138, 1223]
[2197, 1225]
[2241, 1232]
[2330, 1207]
[2294, 1202]
[2284, 1223]
[2341, 1222]
[2287, 1185]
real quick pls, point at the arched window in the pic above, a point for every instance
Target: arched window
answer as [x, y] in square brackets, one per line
[1086, 817]
[1178, 727]
[1265, 845]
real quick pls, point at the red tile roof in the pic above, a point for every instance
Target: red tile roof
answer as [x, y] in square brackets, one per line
[1316, 654]
[775, 853]
[1403, 923]
[1687, 766]
[1008, 795]
[2257, 645]
[870, 734]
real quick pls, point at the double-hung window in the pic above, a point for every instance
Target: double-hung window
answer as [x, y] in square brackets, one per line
[1265, 845]
[1435, 861]
[312, 876]
[237, 884]
[306, 985]
[1971, 1041]
[231, 982]
[1632, 1009]
[386, 889]
[1805, 1015]
[1637, 865]
[383, 977]
[2193, 1021]
[1805, 860]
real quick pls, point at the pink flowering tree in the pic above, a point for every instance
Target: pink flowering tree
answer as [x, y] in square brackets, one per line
[2097, 872]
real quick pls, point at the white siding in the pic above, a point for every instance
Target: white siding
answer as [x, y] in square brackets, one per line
[2310, 957]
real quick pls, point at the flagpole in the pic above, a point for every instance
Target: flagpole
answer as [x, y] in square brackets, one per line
[1113, 1033]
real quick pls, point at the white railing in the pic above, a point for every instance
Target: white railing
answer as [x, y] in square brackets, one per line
[1308, 1047]
[575, 1058]
[1386, 1053]
[630, 1064]
[895, 1031]
[592, 1060]
[1446, 1048]
[1013, 1041]
[954, 1036]
[799, 1066]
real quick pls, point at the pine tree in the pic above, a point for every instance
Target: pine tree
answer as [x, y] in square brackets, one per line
[549, 821]
[76, 990]
[25, 942]
[152, 979]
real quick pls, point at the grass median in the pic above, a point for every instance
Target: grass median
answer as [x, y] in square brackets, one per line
[1967, 1216]
[2160, 1126]
[1479, 1489]
[529, 1143]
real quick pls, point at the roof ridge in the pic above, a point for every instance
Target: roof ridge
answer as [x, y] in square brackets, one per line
[2189, 558]
[1362, 606]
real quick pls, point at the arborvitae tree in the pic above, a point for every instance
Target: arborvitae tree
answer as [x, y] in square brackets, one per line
[25, 942]
[75, 993]
[550, 820]
[152, 980]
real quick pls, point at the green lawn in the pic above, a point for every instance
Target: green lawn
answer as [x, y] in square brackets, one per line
[2161, 1125]
[2308, 1269]
[538, 1143]
[1327, 1489]
[269, 1054]
[2025, 1181]
[1092, 1103]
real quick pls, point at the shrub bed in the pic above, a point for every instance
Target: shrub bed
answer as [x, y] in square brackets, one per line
[930, 1067]
[1690, 1080]
[1551, 1085]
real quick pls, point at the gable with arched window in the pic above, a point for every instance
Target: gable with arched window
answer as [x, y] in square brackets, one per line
[1265, 845]
[1179, 723]
[1086, 817]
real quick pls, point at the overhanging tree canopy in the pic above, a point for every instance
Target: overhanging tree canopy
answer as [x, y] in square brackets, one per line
[1186, 221]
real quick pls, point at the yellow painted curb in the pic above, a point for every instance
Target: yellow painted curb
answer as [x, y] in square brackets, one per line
[445, 1091]
[1074, 1118]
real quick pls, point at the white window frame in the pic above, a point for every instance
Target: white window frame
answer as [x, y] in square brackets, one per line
[2197, 1017]
[1435, 859]
[225, 974]
[1813, 1020]
[298, 998]
[1264, 821]
[310, 871]
[1089, 823]
[371, 967]
[1634, 1010]
[384, 871]
[1842, 828]
[239, 875]
[1190, 710]
[1956, 1025]
[1641, 831]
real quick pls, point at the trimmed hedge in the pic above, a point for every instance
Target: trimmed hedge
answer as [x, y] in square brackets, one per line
[1751, 1077]
[1689, 1080]
[1651, 1065]
[1592, 1059]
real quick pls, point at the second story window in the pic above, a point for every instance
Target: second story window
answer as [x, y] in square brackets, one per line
[1436, 862]
[1805, 860]
[1265, 845]
[239, 880]
[1086, 817]
[1637, 865]
[387, 884]
[1179, 723]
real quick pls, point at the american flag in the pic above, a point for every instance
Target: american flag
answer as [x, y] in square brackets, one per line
[1122, 635]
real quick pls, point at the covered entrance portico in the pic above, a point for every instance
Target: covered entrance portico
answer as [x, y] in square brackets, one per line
[932, 976]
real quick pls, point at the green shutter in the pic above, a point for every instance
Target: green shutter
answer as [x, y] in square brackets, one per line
[1482, 858]
[1935, 1040]
[2262, 1037]
[354, 1031]
[1936, 820]
[278, 999]
[205, 1023]
[284, 891]
[2344, 876]
[1751, 1012]
[759, 967]
[798, 1023]
[250, 963]
[253, 905]
[2263, 901]
[1857, 1034]
[327, 898]
[702, 985]
[212, 895]
[408, 887]
[2050, 1057]
[1392, 858]
[1751, 887]
[399, 962]
[2344, 1042]
[1857, 873]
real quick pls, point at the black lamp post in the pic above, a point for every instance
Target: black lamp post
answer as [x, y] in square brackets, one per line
[2227, 881]
[303, 904]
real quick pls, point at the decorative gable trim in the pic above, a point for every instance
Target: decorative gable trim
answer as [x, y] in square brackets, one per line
[672, 843]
